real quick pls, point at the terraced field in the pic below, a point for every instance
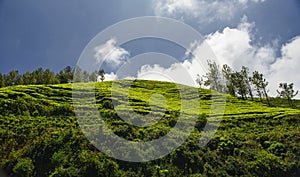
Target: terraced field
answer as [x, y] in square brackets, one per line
[40, 135]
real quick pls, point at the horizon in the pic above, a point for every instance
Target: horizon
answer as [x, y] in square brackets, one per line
[261, 34]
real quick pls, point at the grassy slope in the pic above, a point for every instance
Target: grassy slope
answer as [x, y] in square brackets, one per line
[253, 139]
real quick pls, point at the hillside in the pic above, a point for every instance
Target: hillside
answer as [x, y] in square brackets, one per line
[40, 135]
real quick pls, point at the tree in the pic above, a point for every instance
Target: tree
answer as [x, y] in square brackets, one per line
[77, 74]
[239, 84]
[69, 73]
[49, 77]
[28, 79]
[65, 75]
[11, 78]
[255, 79]
[85, 76]
[213, 77]
[2, 80]
[228, 75]
[93, 76]
[199, 81]
[260, 85]
[287, 92]
[101, 74]
[246, 79]
[38, 76]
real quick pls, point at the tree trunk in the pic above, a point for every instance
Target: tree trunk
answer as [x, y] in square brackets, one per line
[265, 92]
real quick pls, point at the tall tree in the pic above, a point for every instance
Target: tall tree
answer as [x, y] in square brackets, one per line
[199, 81]
[246, 79]
[93, 76]
[288, 92]
[49, 77]
[77, 74]
[240, 85]
[28, 78]
[69, 73]
[85, 76]
[11, 79]
[228, 75]
[213, 77]
[256, 81]
[39, 75]
[260, 84]
[2, 80]
[102, 74]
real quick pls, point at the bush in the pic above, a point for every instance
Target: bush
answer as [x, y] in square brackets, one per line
[24, 168]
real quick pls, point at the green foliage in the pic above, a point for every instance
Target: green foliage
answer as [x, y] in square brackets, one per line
[40, 136]
[214, 77]
[287, 92]
[23, 168]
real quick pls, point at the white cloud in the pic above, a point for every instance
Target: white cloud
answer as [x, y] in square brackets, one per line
[176, 73]
[233, 46]
[286, 67]
[108, 77]
[111, 53]
[203, 10]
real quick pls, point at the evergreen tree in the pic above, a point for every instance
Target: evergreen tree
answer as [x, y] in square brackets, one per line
[77, 74]
[49, 77]
[2, 80]
[288, 92]
[240, 84]
[93, 76]
[102, 74]
[39, 76]
[85, 76]
[256, 79]
[228, 75]
[11, 79]
[199, 81]
[213, 77]
[260, 84]
[246, 79]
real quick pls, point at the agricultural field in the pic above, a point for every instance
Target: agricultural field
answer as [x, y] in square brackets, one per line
[40, 134]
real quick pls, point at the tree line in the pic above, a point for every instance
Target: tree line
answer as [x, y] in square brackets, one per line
[242, 83]
[236, 83]
[41, 76]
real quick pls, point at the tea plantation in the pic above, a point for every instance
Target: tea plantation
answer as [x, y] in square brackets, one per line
[40, 135]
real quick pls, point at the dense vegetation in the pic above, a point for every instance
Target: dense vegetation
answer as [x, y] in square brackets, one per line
[41, 76]
[40, 136]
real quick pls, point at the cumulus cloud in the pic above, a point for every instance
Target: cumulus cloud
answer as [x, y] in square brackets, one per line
[204, 10]
[286, 67]
[176, 73]
[108, 77]
[233, 46]
[111, 53]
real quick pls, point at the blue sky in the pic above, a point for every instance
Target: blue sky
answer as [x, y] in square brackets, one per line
[53, 33]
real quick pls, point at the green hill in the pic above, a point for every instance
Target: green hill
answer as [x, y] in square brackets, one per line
[40, 135]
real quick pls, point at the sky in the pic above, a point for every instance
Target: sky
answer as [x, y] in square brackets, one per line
[261, 34]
